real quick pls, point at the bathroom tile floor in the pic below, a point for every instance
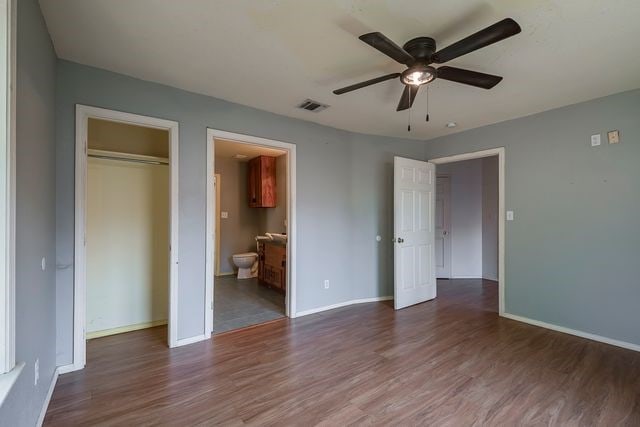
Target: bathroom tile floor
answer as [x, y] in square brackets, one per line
[241, 303]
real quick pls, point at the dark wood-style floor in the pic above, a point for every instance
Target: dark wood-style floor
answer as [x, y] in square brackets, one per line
[451, 361]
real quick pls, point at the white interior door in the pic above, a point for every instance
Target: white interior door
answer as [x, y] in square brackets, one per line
[443, 227]
[414, 231]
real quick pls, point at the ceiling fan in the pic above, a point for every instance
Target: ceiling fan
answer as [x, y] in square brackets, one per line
[417, 54]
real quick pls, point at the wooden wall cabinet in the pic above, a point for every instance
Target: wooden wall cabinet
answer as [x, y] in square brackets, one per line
[262, 182]
[272, 266]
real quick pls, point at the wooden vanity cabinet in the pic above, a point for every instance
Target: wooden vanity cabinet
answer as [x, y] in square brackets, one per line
[272, 266]
[262, 182]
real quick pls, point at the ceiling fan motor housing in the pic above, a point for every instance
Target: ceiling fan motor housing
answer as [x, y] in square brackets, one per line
[421, 48]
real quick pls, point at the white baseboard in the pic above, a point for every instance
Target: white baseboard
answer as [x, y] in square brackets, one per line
[47, 399]
[587, 335]
[65, 369]
[123, 329]
[342, 304]
[191, 340]
[226, 273]
[466, 277]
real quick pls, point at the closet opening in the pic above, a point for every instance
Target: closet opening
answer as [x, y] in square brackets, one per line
[127, 228]
[125, 272]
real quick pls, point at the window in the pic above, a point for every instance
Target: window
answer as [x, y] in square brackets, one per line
[7, 186]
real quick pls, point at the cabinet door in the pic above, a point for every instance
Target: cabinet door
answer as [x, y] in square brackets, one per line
[252, 182]
[267, 182]
[261, 182]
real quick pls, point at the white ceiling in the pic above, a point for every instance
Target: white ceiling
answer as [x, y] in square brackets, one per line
[229, 149]
[272, 54]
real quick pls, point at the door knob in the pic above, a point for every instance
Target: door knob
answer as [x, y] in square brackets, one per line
[400, 240]
[444, 232]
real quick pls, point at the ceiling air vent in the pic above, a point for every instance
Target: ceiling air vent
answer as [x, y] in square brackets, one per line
[311, 105]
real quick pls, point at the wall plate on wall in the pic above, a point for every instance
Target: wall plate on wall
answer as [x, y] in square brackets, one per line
[595, 140]
[613, 136]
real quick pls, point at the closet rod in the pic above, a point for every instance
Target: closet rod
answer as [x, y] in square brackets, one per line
[125, 159]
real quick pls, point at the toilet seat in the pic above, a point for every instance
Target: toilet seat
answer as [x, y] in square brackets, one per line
[246, 254]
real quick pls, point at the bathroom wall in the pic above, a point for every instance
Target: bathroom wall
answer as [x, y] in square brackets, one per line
[238, 231]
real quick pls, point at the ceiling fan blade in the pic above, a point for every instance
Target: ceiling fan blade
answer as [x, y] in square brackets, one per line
[492, 34]
[365, 84]
[468, 77]
[382, 43]
[408, 95]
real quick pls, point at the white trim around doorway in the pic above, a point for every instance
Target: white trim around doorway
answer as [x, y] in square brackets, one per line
[83, 114]
[501, 207]
[212, 135]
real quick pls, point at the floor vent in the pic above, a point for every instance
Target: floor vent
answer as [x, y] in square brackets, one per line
[311, 105]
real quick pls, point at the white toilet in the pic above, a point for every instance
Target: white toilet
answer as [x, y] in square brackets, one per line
[247, 264]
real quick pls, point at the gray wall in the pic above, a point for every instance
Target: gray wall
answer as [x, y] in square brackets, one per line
[35, 216]
[344, 192]
[490, 218]
[572, 251]
[238, 231]
[466, 217]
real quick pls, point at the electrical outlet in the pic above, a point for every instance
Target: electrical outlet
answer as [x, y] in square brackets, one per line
[326, 284]
[595, 140]
[509, 215]
[36, 372]
[224, 214]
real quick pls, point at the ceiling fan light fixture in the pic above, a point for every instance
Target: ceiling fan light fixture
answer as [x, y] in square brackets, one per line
[418, 75]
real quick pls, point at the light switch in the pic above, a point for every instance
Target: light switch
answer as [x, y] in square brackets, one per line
[595, 140]
[613, 136]
[224, 214]
[509, 215]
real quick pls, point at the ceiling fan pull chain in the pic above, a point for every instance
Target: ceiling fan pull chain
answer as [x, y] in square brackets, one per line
[409, 122]
[427, 103]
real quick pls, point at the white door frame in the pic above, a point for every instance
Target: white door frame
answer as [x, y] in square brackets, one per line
[212, 134]
[83, 114]
[501, 207]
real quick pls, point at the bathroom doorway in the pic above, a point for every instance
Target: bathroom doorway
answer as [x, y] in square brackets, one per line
[249, 221]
